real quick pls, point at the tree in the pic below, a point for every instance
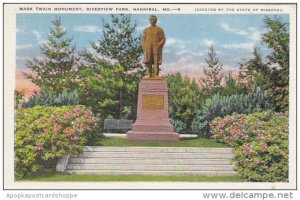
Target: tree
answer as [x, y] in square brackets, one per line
[213, 73]
[185, 98]
[255, 73]
[121, 44]
[277, 39]
[98, 84]
[231, 86]
[273, 75]
[54, 71]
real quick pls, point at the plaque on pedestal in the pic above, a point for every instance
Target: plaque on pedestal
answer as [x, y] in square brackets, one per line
[152, 123]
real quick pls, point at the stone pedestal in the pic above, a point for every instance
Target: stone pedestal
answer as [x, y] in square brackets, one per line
[152, 123]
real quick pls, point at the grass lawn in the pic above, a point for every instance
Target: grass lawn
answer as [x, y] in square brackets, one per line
[198, 142]
[131, 178]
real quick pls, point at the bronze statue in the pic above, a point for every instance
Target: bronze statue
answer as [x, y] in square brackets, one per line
[153, 42]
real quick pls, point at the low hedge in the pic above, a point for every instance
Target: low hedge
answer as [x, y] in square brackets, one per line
[260, 142]
[45, 134]
[220, 106]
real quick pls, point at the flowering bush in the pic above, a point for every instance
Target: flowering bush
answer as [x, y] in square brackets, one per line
[44, 134]
[230, 129]
[261, 143]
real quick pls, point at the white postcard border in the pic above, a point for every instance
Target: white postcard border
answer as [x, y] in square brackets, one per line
[10, 11]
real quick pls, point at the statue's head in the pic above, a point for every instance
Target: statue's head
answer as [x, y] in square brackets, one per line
[153, 20]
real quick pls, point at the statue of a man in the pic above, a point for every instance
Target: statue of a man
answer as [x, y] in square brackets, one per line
[153, 42]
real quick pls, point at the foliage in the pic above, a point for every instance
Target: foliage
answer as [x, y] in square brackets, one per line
[213, 73]
[254, 73]
[219, 106]
[273, 75]
[120, 43]
[49, 99]
[184, 99]
[232, 129]
[54, 71]
[277, 39]
[44, 134]
[260, 140]
[179, 126]
[18, 98]
[99, 83]
[231, 87]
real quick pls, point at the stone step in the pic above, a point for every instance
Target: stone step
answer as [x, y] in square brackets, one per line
[158, 149]
[152, 161]
[149, 161]
[161, 136]
[172, 155]
[166, 127]
[142, 167]
[164, 173]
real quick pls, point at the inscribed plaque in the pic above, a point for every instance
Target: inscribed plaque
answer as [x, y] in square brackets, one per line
[153, 102]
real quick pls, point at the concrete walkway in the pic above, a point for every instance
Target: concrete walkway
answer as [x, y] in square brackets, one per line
[123, 135]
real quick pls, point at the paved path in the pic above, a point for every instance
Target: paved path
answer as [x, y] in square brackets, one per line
[123, 135]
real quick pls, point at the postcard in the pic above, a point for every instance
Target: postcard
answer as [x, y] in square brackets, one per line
[150, 96]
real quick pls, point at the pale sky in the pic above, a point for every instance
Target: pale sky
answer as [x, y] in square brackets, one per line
[188, 36]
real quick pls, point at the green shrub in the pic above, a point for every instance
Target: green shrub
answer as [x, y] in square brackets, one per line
[260, 141]
[44, 134]
[178, 125]
[219, 106]
[184, 99]
[18, 98]
[49, 99]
